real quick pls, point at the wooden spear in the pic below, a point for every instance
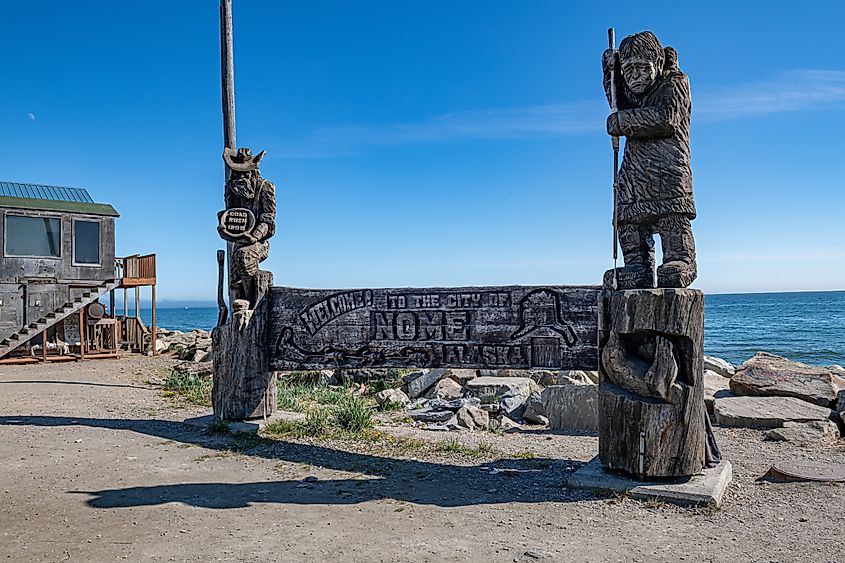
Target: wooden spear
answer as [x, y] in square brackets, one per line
[611, 40]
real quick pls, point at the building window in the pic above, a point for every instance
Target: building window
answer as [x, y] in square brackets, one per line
[33, 236]
[86, 242]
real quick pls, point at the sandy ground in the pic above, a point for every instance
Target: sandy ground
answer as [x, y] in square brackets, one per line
[97, 466]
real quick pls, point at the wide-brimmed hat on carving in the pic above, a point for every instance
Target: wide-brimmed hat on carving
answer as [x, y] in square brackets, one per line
[242, 160]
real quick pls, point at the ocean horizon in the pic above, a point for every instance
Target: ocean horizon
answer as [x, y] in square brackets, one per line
[805, 326]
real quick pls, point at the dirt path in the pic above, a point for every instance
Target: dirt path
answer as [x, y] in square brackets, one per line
[96, 466]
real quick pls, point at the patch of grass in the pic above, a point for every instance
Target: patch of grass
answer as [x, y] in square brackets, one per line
[318, 422]
[195, 389]
[217, 427]
[310, 378]
[217, 454]
[391, 406]
[297, 394]
[328, 396]
[352, 414]
[486, 448]
[393, 379]
[453, 446]
[290, 395]
[655, 503]
[527, 454]
[295, 428]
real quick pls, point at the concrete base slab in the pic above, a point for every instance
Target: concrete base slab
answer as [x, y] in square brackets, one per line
[245, 426]
[706, 488]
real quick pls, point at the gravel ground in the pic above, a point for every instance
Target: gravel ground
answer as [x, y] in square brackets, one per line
[97, 466]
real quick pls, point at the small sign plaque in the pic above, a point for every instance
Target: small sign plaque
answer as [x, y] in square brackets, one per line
[237, 222]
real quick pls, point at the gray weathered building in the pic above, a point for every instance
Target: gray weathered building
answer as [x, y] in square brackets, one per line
[57, 256]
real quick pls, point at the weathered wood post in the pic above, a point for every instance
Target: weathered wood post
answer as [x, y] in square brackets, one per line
[651, 388]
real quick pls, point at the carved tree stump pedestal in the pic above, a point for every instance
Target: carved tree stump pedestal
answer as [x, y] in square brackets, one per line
[244, 385]
[651, 391]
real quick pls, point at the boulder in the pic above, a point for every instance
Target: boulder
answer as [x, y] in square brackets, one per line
[473, 418]
[715, 386]
[461, 376]
[491, 389]
[510, 393]
[566, 380]
[719, 366]
[194, 354]
[804, 432]
[765, 412]
[421, 381]
[451, 404]
[452, 423]
[840, 402]
[430, 415]
[534, 411]
[392, 396]
[446, 388]
[578, 376]
[768, 375]
[571, 407]
[539, 376]
[505, 424]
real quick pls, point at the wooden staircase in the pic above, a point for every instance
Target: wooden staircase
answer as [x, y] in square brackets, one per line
[26, 334]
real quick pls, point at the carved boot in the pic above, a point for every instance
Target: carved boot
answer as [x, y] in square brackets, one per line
[676, 274]
[637, 245]
[678, 268]
[635, 276]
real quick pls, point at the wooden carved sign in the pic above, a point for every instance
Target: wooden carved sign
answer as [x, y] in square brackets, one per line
[237, 222]
[554, 327]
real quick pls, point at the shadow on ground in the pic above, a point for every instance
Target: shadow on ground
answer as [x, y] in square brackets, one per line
[409, 480]
[86, 383]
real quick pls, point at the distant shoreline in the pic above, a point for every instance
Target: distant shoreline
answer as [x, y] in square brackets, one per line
[212, 304]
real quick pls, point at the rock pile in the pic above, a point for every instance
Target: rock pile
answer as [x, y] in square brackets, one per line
[796, 402]
[454, 399]
[192, 346]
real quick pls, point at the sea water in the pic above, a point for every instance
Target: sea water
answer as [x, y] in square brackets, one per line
[806, 327]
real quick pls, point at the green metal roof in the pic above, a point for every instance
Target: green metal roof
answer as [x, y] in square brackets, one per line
[41, 191]
[51, 198]
[65, 206]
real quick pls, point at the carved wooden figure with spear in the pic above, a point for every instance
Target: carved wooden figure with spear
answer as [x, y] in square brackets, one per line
[650, 105]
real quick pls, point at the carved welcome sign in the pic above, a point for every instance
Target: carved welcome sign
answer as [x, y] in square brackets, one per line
[551, 327]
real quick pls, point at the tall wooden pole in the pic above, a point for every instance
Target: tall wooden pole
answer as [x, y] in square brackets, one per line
[227, 70]
[227, 77]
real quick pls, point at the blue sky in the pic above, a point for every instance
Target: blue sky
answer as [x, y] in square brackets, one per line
[429, 143]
